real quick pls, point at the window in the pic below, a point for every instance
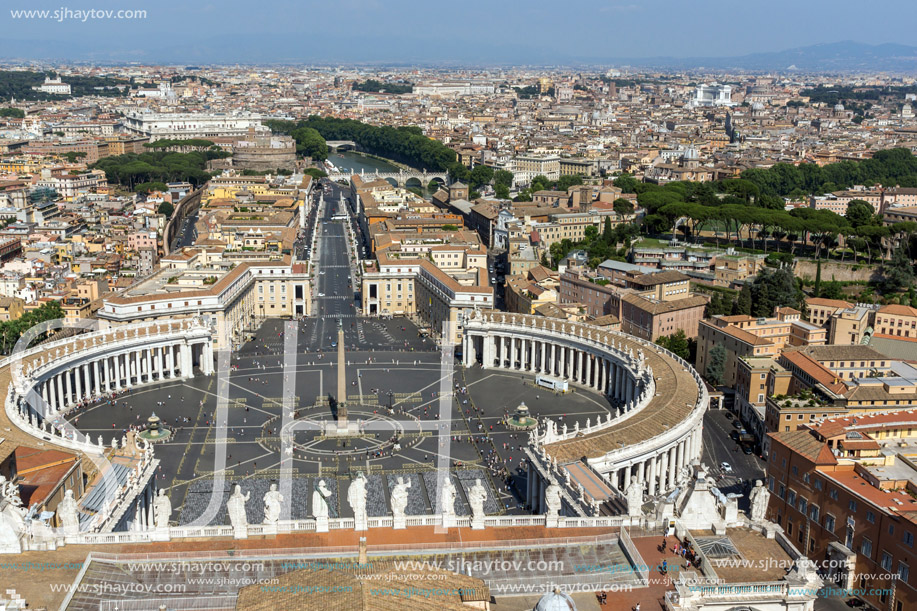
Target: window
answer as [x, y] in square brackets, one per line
[829, 522]
[908, 539]
[866, 547]
[801, 506]
[870, 517]
[813, 513]
[886, 562]
[791, 497]
[891, 529]
[852, 506]
[795, 470]
[903, 571]
[818, 484]
[833, 494]
[805, 477]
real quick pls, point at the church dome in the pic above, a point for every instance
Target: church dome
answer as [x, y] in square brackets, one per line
[555, 601]
[839, 107]
[691, 153]
[757, 106]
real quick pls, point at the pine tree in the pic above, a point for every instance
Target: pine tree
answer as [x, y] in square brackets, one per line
[716, 366]
[742, 304]
[817, 291]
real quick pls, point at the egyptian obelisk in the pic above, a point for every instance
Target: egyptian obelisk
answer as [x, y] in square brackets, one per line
[342, 381]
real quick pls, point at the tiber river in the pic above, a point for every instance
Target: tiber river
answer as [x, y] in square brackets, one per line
[350, 162]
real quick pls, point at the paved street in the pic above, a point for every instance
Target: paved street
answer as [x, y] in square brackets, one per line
[720, 448]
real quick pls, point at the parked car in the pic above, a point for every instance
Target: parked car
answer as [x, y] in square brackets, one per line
[726, 467]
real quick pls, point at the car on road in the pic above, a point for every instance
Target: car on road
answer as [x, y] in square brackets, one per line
[737, 423]
[726, 467]
[321, 294]
[747, 449]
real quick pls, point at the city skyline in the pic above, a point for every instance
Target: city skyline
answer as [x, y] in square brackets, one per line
[404, 31]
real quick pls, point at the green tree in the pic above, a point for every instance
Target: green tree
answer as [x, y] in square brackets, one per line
[716, 365]
[860, 213]
[315, 173]
[310, 143]
[503, 177]
[607, 231]
[480, 176]
[501, 191]
[677, 343]
[623, 206]
[166, 208]
[565, 182]
[898, 272]
[626, 182]
[459, 173]
[540, 183]
[16, 113]
[148, 187]
[742, 304]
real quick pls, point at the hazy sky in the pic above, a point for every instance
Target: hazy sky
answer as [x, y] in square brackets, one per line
[535, 31]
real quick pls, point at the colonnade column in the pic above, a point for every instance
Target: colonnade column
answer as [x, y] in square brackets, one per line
[652, 477]
[679, 456]
[78, 385]
[97, 388]
[542, 367]
[67, 388]
[672, 468]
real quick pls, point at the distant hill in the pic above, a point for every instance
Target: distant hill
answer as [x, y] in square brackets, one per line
[847, 56]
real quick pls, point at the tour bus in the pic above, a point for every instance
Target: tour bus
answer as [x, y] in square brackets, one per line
[552, 383]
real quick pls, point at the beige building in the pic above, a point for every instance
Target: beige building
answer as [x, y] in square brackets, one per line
[415, 286]
[235, 298]
[748, 337]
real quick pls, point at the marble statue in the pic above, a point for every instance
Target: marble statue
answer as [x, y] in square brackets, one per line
[476, 497]
[552, 500]
[162, 509]
[12, 521]
[356, 496]
[320, 500]
[759, 498]
[448, 501]
[399, 500]
[67, 512]
[273, 502]
[235, 507]
[634, 496]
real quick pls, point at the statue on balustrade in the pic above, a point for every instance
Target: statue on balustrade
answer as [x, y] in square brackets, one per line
[162, 509]
[634, 495]
[356, 496]
[68, 514]
[235, 508]
[273, 502]
[759, 498]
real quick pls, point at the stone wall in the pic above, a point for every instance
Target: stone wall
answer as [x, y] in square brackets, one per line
[842, 272]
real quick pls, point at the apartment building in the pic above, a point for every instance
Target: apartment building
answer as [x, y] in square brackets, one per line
[597, 295]
[898, 321]
[233, 295]
[745, 336]
[415, 286]
[844, 491]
